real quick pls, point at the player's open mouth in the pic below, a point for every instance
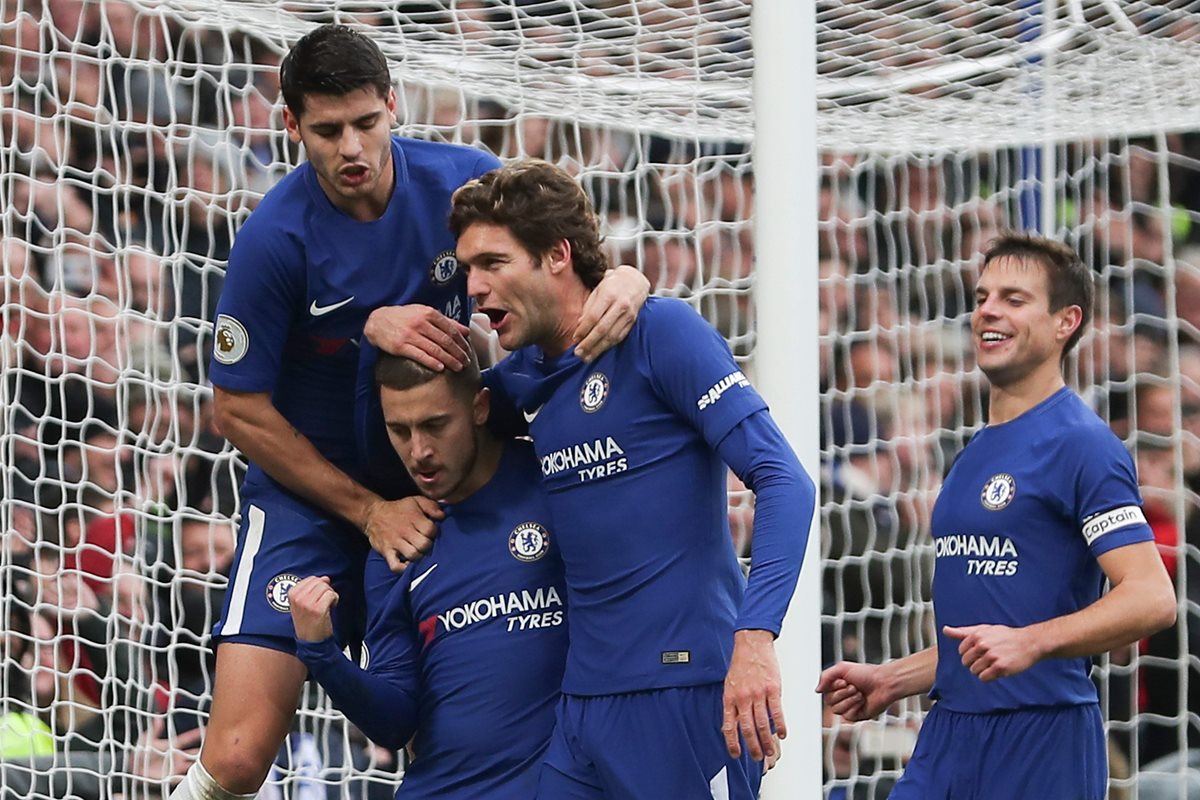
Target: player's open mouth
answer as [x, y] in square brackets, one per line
[355, 174]
[496, 316]
[428, 476]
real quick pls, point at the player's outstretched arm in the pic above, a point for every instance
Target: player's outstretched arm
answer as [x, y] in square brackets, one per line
[400, 530]
[864, 691]
[1140, 602]
[382, 704]
[610, 311]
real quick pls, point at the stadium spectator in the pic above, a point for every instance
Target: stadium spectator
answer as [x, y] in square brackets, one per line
[134, 45]
[191, 576]
[836, 287]
[23, 734]
[253, 145]
[94, 662]
[528, 236]
[1044, 464]
[1187, 290]
[669, 263]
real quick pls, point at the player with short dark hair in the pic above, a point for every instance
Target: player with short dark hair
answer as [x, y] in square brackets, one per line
[334, 60]
[1039, 508]
[466, 647]
[668, 645]
[354, 238]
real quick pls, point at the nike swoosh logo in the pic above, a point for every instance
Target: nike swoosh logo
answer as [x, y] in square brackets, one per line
[318, 311]
[417, 580]
[530, 416]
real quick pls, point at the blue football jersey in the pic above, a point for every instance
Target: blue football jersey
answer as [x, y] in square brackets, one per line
[476, 632]
[1022, 516]
[303, 278]
[628, 452]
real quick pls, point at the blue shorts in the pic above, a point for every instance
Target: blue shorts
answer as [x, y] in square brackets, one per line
[645, 746]
[1051, 751]
[280, 541]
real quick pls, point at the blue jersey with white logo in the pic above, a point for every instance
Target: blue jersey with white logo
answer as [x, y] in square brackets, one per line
[1024, 513]
[466, 646]
[303, 278]
[628, 448]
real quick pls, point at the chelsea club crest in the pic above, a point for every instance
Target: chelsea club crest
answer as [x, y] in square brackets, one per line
[594, 392]
[529, 541]
[998, 492]
[444, 268]
[277, 591]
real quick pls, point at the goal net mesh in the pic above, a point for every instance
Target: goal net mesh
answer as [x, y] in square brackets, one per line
[135, 138]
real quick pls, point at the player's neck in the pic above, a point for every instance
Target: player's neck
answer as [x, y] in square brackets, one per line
[1007, 402]
[570, 310]
[487, 461]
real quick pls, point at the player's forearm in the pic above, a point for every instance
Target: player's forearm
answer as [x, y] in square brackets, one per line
[383, 711]
[784, 499]
[911, 675]
[253, 425]
[1133, 610]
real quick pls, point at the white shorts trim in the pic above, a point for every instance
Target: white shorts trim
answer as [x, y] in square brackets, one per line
[240, 587]
[718, 787]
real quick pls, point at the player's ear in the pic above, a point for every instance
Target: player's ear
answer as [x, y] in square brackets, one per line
[481, 406]
[391, 105]
[1069, 320]
[558, 260]
[291, 123]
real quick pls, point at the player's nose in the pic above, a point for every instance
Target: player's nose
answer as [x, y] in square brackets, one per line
[422, 450]
[351, 145]
[476, 285]
[987, 307]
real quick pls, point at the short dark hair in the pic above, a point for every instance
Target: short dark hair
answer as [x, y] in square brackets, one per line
[541, 205]
[399, 372]
[332, 60]
[1070, 280]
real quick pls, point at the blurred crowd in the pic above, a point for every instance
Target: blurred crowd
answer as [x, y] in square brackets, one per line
[134, 145]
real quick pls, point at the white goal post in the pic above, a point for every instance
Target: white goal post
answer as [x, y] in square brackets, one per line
[818, 184]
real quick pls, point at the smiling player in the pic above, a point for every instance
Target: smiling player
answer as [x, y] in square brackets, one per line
[1036, 512]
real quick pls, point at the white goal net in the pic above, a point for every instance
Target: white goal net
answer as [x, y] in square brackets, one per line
[136, 135]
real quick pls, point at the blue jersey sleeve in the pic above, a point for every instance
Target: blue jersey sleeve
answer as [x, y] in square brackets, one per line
[382, 699]
[693, 371]
[484, 164]
[263, 285]
[784, 500]
[1108, 502]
